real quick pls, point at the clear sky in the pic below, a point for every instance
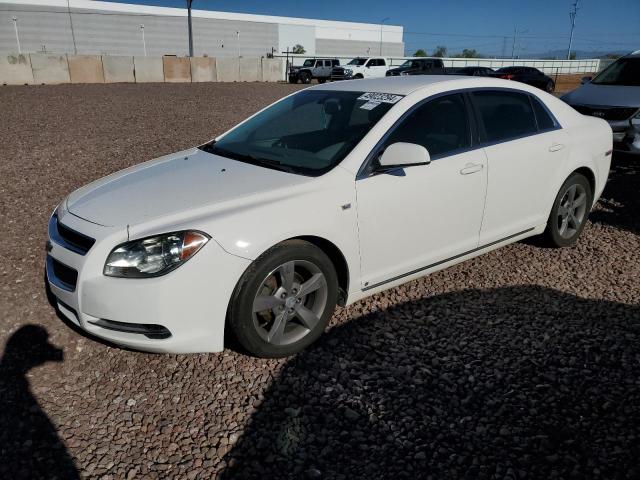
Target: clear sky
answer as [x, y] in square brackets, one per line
[486, 25]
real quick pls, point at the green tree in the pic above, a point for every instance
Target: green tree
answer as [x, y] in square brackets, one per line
[420, 53]
[297, 48]
[440, 51]
[468, 53]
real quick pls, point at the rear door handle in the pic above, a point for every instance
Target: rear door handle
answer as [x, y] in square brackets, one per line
[471, 168]
[555, 147]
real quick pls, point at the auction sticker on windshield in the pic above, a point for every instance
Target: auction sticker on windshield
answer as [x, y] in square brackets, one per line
[380, 97]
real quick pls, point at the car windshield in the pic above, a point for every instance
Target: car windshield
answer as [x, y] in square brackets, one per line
[308, 63]
[357, 61]
[625, 71]
[308, 133]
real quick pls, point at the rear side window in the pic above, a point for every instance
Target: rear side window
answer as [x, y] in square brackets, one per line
[505, 115]
[545, 121]
[440, 125]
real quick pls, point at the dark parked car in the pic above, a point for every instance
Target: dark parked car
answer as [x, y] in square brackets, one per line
[318, 68]
[418, 66]
[614, 95]
[472, 71]
[529, 75]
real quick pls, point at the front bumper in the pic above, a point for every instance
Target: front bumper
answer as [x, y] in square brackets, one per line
[190, 302]
[626, 136]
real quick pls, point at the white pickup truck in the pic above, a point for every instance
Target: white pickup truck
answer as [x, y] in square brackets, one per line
[361, 67]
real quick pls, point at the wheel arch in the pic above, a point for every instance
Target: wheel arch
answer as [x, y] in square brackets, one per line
[335, 255]
[589, 175]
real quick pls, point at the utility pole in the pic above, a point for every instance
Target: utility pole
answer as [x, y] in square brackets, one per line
[238, 42]
[381, 24]
[15, 27]
[572, 15]
[189, 2]
[516, 32]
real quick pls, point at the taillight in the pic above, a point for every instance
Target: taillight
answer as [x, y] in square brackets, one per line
[507, 76]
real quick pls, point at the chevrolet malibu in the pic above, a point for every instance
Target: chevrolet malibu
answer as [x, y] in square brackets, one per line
[329, 195]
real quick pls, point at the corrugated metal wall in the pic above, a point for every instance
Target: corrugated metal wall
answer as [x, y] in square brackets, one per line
[357, 48]
[104, 32]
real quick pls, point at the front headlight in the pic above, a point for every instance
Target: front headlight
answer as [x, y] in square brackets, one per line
[348, 71]
[404, 73]
[154, 256]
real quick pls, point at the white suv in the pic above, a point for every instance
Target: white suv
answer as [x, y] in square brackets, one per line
[367, 67]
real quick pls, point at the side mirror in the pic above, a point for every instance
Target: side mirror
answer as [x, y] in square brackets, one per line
[585, 80]
[402, 154]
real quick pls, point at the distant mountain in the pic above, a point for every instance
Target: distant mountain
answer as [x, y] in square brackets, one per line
[562, 54]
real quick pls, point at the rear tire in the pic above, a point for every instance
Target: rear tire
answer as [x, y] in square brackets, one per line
[284, 300]
[569, 213]
[322, 80]
[358, 76]
[293, 79]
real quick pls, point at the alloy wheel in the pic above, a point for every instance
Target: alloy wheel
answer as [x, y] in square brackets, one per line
[572, 211]
[290, 302]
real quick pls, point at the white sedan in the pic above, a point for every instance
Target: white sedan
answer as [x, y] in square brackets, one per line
[329, 195]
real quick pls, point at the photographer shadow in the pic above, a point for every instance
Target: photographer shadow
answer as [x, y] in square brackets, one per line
[30, 447]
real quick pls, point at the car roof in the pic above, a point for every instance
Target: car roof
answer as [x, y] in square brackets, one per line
[404, 85]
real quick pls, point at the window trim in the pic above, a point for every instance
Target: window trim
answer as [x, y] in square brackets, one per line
[365, 172]
[474, 123]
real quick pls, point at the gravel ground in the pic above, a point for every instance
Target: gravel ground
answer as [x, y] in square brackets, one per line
[521, 364]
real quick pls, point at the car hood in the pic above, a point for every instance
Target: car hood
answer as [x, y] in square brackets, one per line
[604, 95]
[172, 184]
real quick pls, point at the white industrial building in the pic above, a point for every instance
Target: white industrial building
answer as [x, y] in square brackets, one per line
[94, 27]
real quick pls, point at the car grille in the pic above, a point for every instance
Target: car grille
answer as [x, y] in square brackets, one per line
[67, 238]
[606, 113]
[60, 275]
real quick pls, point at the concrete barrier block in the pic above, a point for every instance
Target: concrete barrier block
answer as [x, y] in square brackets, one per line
[203, 69]
[176, 69]
[49, 69]
[85, 68]
[250, 70]
[118, 69]
[15, 70]
[148, 69]
[272, 70]
[227, 69]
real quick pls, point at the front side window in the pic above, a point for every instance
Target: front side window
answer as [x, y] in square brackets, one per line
[357, 61]
[505, 115]
[440, 125]
[308, 63]
[381, 62]
[307, 133]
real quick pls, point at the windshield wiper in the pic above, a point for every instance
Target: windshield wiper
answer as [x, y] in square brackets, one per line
[248, 158]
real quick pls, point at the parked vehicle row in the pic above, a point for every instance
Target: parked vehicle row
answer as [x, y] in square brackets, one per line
[324, 69]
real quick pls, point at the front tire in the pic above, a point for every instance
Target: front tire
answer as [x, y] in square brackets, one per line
[305, 78]
[570, 212]
[284, 300]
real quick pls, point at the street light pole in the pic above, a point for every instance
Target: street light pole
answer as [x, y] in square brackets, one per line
[189, 2]
[238, 42]
[381, 24]
[144, 44]
[73, 35]
[15, 27]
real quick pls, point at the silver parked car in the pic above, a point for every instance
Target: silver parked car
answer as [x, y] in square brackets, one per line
[614, 95]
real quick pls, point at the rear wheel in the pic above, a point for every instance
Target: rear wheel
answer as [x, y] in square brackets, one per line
[284, 301]
[570, 212]
[293, 79]
[322, 80]
[358, 75]
[305, 77]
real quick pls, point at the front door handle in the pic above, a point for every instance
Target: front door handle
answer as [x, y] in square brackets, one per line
[556, 147]
[471, 168]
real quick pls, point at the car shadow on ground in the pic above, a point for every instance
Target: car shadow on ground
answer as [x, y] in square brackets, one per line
[29, 443]
[619, 205]
[509, 383]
